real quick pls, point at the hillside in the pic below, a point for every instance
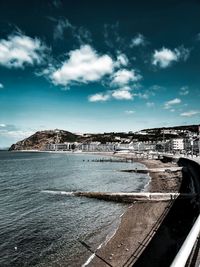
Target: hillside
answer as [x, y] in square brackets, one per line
[39, 139]
[192, 128]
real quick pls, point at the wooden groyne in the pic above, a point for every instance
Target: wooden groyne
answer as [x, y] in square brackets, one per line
[113, 160]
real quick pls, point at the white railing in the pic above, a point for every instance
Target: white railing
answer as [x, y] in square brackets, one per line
[186, 249]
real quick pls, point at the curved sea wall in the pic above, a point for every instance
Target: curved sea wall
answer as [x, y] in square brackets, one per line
[193, 169]
[176, 226]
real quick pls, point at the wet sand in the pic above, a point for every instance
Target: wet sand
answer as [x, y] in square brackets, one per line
[140, 221]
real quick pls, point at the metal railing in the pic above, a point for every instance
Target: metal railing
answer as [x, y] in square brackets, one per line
[186, 249]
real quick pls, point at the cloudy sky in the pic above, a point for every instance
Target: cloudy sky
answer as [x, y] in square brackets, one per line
[96, 66]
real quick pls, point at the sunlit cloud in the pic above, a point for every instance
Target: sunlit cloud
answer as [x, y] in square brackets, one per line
[172, 103]
[122, 94]
[20, 50]
[84, 65]
[122, 60]
[138, 40]
[190, 113]
[129, 112]
[99, 97]
[124, 77]
[164, 57]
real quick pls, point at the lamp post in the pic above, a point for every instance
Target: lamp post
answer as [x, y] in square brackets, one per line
[192, 147]
[138, 146]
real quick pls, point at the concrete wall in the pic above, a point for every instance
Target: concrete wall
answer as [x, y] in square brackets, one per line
[170, 236]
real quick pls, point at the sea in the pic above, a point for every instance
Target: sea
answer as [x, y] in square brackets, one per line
[42, 226]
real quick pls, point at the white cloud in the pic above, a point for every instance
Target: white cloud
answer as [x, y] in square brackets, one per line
[165, 57]
[129, 112]
[150, 104]
[122, 60]
[1, 86]
[171, 103]
[9, 130]
[84, 65]
[20, 50]
[184, 90]
[122, 94]
[190, 113]
[138, 40]
[19, 134]
[123, 77]
[99, 97]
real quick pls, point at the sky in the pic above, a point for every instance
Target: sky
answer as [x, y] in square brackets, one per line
[98, 66]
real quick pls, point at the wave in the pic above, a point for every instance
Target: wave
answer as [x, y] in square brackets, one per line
[107, 239]
[57, 192]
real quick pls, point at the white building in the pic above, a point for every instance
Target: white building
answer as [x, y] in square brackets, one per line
[60, 146]
[97, 147]
[169, 131]
[177, 144]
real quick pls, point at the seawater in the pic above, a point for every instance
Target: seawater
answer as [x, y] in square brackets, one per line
[41, 227]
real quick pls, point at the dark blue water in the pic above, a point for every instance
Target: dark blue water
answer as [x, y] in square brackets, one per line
[41, 229]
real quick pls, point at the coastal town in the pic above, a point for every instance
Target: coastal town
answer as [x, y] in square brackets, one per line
[100, 133]
[169, 157]
[171, 141]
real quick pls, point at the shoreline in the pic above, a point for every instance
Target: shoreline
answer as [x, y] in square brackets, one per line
[135, 225]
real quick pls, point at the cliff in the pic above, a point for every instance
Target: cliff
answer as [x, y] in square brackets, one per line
[38, 140]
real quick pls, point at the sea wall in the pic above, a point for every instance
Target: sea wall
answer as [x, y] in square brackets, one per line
[193, 170]
[174, 229]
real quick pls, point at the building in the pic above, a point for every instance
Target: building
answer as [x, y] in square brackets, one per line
[192, 146]
[97, 147]
[177, 144]
[169, 131]
[60, 147]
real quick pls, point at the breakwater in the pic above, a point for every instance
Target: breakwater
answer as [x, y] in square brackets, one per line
[131, 197]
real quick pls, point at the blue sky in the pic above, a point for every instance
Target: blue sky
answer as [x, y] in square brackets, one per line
[98, 66]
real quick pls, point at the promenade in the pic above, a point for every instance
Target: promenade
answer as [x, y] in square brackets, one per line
[149, 233]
